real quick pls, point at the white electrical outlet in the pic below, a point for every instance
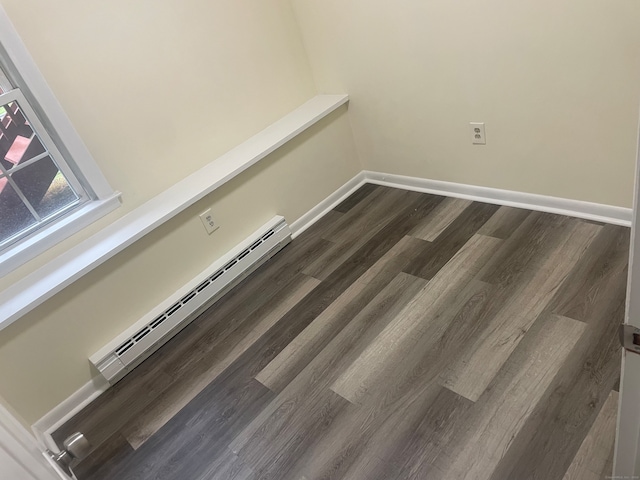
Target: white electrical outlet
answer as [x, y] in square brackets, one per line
[477, 133]
[209, 223]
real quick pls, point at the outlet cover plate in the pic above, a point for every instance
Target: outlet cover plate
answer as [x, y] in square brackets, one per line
[478, 136]
[210, 225]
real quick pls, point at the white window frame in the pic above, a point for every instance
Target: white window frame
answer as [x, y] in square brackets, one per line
[50, 116]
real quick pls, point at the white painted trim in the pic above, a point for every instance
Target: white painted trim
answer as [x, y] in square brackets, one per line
[329, 203]
[626, 457]
[542, 203]
[51, 235]
[22, 450]
[34, 289]
[66, 410]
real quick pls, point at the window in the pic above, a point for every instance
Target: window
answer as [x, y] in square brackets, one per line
[36, 185]
[50, 186]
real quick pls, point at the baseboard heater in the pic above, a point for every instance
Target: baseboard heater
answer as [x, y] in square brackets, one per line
[134, 345]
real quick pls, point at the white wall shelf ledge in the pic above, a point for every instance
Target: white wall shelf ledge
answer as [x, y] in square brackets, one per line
[37, 287]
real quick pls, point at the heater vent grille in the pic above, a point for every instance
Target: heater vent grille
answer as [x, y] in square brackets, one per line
[124, 347]
[217, 276]
[132, 347]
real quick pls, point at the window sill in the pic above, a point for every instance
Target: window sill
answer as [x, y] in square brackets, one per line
[50, 279]
[54, 234]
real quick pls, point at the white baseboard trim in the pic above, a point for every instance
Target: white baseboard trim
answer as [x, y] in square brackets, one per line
[531, 201]
[329, 203]
[48, 424]
[63, 412]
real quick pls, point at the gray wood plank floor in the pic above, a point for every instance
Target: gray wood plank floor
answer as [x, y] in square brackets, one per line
[404, 336]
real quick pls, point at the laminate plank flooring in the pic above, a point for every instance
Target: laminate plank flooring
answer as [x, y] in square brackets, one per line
[592, 460]
[504, 222]
[579, 390]
[474, 369]
[442, 216]
[317, 335]
[417, 320]
[356, 198]
[403, 336]
[451, 240]
[499, 417]
[214, 356]
[357, 226]
[348, 344]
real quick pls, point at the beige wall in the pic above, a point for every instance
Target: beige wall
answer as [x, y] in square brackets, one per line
[557, 83]
[159, 88]
[156, 90]
[12, 411]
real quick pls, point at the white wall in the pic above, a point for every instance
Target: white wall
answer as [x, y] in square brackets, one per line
[157, 89]
[557, 83]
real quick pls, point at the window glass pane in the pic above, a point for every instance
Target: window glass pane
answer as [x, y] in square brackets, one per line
[44, 187]
[14, 215]
[18, 142]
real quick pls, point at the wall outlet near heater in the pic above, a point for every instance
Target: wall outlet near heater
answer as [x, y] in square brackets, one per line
[210, 225]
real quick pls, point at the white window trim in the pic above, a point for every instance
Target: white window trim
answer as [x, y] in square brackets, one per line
[104, 200]
[55, 233]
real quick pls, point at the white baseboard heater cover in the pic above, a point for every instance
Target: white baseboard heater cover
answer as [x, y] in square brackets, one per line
[134, 345]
